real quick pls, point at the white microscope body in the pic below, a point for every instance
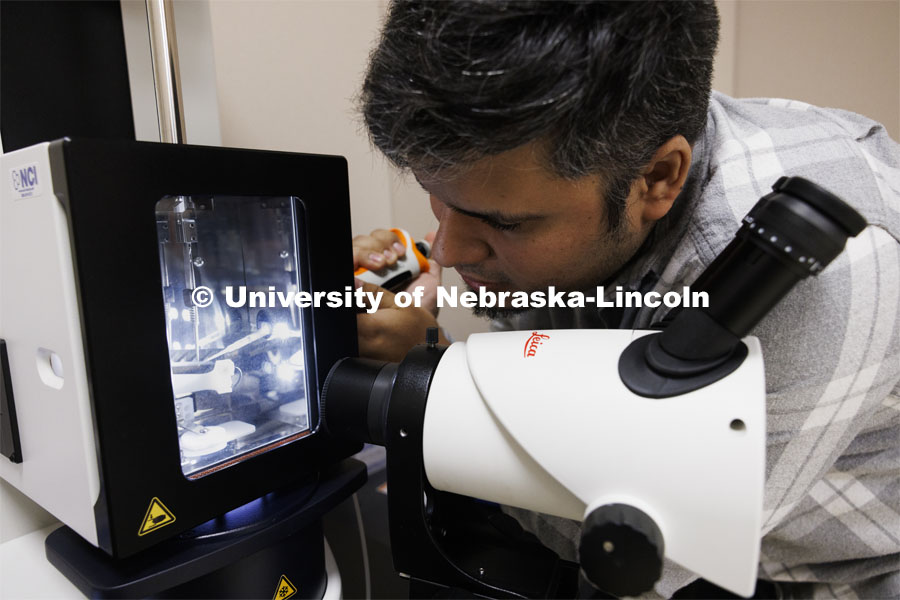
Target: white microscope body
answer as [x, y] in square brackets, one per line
[550, 427]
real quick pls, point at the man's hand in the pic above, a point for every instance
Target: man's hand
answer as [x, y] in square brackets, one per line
[382, 248]
[378, 250]
[391, 331]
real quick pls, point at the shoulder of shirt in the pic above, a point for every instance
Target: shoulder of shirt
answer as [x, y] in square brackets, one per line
[750, 143]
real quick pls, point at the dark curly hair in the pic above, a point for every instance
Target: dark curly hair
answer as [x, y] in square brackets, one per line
[600, 85]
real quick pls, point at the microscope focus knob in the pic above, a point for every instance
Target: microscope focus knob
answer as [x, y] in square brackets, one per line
[621, 550]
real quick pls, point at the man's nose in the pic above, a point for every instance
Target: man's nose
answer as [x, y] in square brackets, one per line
[457, 241]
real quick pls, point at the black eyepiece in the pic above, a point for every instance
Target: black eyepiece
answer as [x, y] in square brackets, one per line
[794, 232]
[802, 223]
[824, 201]
[790, 234]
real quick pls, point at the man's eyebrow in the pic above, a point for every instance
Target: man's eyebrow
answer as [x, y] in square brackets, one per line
[491, 215]
[495, 215]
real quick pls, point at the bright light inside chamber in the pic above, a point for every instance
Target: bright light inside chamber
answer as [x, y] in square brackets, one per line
[261, 401]
[296, 359]
[286, 372]
[281, 331]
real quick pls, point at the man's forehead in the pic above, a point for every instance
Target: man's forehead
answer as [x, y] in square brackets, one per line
[522, 161]
[513, 184]
[488, 196]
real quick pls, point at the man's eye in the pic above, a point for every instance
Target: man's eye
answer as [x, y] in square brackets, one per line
[502, 226]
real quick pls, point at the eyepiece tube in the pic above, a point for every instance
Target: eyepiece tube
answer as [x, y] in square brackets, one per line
[355, 399]
[792, 233]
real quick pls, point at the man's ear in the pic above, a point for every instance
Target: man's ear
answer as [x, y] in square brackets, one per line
[664, 177]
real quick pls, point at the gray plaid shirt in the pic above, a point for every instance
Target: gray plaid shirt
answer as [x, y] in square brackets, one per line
[831, 347]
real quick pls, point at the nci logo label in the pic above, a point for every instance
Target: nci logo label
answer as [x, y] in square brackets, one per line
[25, 180]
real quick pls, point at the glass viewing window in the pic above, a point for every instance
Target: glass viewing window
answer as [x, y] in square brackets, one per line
[238, 360]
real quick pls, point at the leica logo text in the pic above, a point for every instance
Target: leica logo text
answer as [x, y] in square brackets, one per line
[533, 342]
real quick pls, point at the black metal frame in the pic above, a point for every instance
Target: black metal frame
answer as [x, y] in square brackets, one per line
[109, 190]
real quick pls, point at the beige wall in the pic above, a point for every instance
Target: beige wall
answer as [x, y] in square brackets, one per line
[843, 54]
[287, 71]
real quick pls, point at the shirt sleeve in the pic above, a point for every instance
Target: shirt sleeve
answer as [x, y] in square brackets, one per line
[832, 357]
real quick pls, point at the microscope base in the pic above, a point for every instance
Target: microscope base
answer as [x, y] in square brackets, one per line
[246, 553]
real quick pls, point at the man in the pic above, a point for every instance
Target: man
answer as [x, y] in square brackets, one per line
[577, 144]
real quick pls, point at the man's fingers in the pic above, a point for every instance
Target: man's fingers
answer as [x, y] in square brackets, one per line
[367, 327]
[367, 258]
[377, 250]
[390, 242]
[387, 298]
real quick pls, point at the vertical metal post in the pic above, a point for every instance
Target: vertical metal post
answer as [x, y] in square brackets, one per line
[164, 55]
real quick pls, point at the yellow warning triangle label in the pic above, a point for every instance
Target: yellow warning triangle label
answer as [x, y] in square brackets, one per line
[157, 516]
[285, 589]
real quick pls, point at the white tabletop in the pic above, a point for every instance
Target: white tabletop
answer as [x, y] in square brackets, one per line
[26, 573]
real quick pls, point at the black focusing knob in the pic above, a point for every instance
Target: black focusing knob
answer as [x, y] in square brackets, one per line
[621, 550]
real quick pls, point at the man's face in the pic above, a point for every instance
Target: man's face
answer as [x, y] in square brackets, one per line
[507, 223]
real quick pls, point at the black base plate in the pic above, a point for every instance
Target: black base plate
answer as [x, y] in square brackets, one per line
[242, 554]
